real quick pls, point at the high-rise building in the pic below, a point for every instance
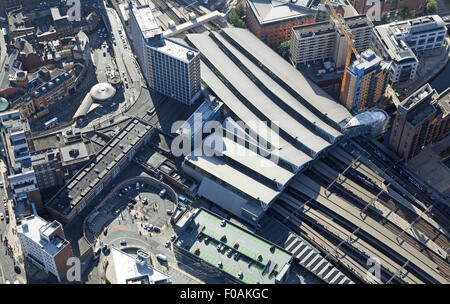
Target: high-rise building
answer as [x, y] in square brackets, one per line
[325, 40]
[366, 82]
[421, 118]
[169, 67]
[44, 244]
[400, 41]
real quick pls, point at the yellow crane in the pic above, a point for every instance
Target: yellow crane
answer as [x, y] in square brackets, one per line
[351, 47]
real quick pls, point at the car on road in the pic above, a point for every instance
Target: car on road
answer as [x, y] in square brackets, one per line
[161, 257]
[105, 248]
[7, 219]
[123, 242]
[162, 192]
[17, 269]
[2, 217]
[105, 231]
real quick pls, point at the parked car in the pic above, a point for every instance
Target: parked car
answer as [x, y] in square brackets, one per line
[173, 237]
[123, 242]
[105, 231]
[2, 217]
[162, 192]
[167, 244]
[229, 253]
[169, 212]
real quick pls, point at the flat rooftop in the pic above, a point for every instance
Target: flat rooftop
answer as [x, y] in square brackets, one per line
[126, 268]
[174, 49]
[268, 11]
[93, 172]
[33, 226]
[444, 101]
[419, 95]
[205, 224]
[147, 23]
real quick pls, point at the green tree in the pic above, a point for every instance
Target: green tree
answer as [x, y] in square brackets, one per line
[234, 16]
[405, 13]
[431, 7]
[240, 9]
[284, 49]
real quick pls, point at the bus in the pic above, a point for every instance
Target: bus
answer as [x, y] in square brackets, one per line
[51, 123]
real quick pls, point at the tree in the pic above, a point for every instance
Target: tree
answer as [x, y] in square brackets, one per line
[405, 13]
[284, 49]
[240, 9]
[431, 7]
[234, 16]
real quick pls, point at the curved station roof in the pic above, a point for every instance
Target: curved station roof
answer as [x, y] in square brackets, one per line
[102, 91]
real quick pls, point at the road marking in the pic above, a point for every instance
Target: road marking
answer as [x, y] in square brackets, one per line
[118, 228]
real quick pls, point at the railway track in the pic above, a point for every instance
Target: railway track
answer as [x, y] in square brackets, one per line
[422, 225]
[370, 230]
[358, 202]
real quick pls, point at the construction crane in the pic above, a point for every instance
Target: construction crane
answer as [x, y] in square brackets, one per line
[349, 37]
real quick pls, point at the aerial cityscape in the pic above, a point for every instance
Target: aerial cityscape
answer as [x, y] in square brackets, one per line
[225, 142]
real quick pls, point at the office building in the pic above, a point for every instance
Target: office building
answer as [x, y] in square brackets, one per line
[399, 42]
[366, 82]
[45, 246]
[169, 67]
[47, 167]
[22, 181]
[325, 40]
[272, 21]
[421, 118]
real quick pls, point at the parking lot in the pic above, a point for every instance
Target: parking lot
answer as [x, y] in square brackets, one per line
[137, 203]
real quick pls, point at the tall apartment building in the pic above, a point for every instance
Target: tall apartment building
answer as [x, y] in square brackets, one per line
[44, 244]
[15, 133]
[366, 82]
[48, 168]
[325, 40]
[400, 41]
[421, 118]
[391, 7]
[169, 67]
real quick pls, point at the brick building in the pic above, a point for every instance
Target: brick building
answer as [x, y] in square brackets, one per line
[421, 119]
[54, 90]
